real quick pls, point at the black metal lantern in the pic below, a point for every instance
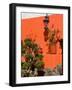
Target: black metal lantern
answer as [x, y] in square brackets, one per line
[46, 21]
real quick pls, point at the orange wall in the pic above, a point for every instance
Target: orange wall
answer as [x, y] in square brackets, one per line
[34, 28]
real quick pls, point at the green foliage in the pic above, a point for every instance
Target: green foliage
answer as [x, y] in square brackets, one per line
[35, 47]
[39, 65]
[29, 56]
[39, 56]
[26, 73]
[33, 58]
[25, 65]
[28, 42]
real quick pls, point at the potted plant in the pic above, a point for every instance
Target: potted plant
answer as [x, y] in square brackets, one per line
[40, 68]
[33, 55]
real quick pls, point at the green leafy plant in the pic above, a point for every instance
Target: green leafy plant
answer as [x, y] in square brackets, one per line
[28, 42]
[39, 65]
[29, 57]
[25, 65]
[32, 53]
[39, 56]
[34, 47]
